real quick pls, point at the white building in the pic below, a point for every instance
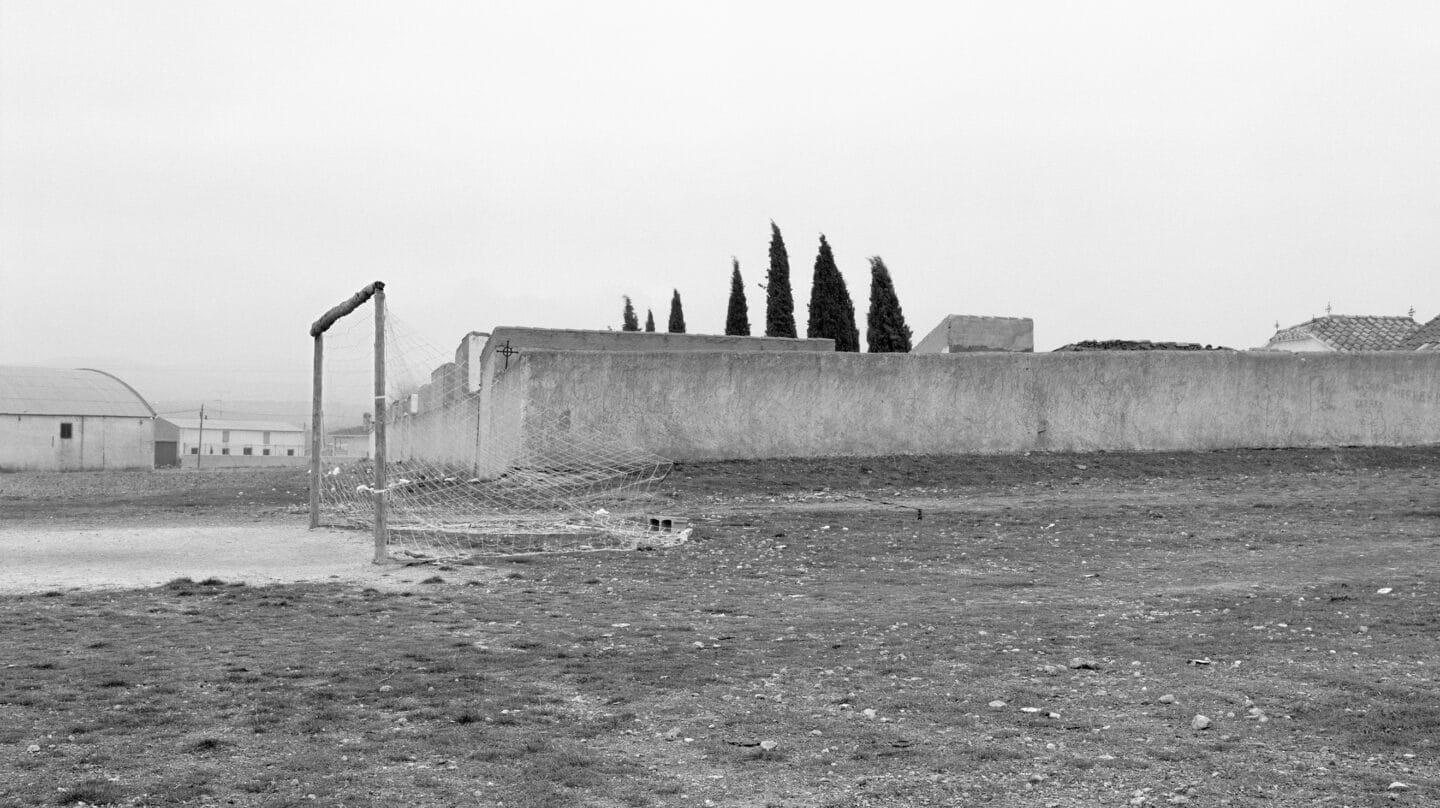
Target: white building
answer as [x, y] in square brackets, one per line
[72, 420]
[225, 442]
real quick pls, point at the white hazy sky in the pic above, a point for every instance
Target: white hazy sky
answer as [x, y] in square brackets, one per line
[188, 185]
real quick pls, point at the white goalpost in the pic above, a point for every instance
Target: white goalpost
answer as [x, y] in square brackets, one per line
[438, 469]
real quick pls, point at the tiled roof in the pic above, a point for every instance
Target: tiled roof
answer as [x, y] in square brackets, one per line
[1345, 332]
[51, 391]
[1424, 338]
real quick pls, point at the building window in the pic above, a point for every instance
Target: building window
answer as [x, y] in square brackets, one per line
[265, 451]
[67, 430]
[267, 437]
[290, 452]
[248, 451]
[224, 436]
[225, 450]
[194, 450]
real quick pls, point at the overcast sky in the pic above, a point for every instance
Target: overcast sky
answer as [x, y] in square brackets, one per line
[188, 185]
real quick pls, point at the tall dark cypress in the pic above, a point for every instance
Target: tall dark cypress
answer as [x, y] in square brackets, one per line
[779, 303]
[885, 327]
[832, 315]
[737, 316]
[677, 315]
[649, 320]
[629, 323]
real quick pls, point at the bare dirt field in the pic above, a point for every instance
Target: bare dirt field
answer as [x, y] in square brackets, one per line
[96, 530]
[1229, 628]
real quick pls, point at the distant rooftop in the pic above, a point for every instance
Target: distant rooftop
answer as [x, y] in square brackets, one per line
[236, 425]
[1136, 345]
[55, 391]
[1424, 338]
[1347, 332]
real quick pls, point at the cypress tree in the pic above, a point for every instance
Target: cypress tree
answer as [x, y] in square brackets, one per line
[885, 328]
[737, 316]
[629, 323]
[832, 315]
[779, 304]
[677, 315]
[649, 320]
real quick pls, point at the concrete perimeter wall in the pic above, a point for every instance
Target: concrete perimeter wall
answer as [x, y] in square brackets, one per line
[757, 405]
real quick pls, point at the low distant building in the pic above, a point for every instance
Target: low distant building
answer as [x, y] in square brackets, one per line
[220, 442]
[1344, 332]
[967, 333]
[72, 420]
[351, 441]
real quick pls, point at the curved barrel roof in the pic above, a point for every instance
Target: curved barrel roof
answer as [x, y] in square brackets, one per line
[52, 391]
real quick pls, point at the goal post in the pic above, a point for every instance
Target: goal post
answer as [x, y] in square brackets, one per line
[459, 455]
[375, 290]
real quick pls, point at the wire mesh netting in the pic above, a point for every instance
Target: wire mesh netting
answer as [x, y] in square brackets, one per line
[455, 484]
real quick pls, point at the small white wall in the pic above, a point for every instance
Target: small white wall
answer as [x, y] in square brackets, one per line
[33, 443]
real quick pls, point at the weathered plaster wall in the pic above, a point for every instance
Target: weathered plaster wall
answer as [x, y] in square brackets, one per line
[725, 405]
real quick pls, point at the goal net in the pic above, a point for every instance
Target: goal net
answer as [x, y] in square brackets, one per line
[434, 471]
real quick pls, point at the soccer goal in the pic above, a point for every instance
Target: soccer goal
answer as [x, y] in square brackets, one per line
[408, 444]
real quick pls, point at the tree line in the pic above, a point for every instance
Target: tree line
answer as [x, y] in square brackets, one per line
[832, 314]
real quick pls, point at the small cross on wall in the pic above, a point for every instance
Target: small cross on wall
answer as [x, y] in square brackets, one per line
[507, 352]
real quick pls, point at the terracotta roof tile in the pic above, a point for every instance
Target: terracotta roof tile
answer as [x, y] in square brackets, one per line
[1424, 338]
[1344, 332]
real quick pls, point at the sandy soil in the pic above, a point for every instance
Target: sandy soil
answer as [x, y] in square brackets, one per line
[62, 558]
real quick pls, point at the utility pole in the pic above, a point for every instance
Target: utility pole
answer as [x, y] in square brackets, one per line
[200, 453]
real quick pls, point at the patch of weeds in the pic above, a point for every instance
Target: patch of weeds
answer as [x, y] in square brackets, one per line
[205, 745]
[604, 725]
[91, 792]
[212, 581]
[180, 583]
[433, 579]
